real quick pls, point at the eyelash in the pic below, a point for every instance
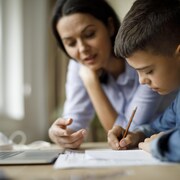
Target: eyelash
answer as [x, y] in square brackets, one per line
[149, 72]
[89, 35]
[71, 44]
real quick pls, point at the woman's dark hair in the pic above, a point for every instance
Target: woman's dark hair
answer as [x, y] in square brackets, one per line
[100, 9]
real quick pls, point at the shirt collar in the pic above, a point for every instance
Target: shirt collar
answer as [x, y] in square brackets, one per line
[128, 75]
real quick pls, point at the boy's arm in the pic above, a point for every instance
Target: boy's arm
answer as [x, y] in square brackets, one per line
[165, 121]
[167, 147]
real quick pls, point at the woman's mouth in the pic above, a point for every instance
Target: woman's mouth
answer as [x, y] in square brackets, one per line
[90, 59]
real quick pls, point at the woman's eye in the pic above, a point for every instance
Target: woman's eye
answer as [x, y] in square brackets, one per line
[71, 44]
[90, 34]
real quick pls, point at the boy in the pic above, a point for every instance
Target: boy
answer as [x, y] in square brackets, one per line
[149, 39]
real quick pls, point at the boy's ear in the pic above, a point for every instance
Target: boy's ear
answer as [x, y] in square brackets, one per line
[177, 53]
[111, 26]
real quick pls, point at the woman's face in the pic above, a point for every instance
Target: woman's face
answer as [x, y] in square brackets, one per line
[86, 39]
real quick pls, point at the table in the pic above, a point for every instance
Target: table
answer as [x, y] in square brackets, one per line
[43, 172]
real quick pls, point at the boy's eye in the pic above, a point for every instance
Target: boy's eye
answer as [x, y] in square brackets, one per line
[149, 72]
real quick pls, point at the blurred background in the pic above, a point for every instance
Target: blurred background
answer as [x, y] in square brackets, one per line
[33, 69]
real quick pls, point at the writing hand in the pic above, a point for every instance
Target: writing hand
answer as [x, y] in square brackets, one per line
[113, 137]
[130, 141]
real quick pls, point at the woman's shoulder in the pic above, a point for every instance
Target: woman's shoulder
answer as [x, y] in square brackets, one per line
[73, 64]
[73, 70]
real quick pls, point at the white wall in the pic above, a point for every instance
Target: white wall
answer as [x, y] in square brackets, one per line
[121, 6]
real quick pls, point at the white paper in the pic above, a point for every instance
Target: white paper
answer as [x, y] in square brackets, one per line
[130, 155]
[105, 158]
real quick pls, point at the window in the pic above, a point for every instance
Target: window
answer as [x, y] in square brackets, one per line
[11, 61]
[24, 26]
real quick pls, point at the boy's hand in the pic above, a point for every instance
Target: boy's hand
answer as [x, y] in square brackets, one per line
[147, 142]
[113, 137]
[130, 141]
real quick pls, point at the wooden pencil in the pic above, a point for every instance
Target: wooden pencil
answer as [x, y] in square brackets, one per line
[129, 123]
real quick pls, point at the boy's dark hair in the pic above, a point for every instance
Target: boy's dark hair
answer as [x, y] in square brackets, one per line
[150, 25]
[100, 9]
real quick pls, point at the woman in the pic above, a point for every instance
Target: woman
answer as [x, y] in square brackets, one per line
[97, 81]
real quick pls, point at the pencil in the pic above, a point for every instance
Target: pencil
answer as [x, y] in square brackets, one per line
[129, 123]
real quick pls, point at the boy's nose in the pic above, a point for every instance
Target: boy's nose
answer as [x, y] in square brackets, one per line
[144, 80]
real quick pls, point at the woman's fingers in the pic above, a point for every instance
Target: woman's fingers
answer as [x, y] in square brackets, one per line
[58, 129]
[61, 135]
[63, 123]
[73, 140]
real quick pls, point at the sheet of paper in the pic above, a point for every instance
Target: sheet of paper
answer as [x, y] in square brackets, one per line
[128, 155]
[105, 158]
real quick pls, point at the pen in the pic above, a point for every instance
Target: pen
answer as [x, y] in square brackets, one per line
[129, 123]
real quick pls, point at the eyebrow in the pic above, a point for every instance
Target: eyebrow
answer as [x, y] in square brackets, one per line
[90, 25]
[143, 68]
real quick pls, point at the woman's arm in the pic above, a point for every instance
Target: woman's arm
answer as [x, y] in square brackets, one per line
[78, 105]
[104, 109]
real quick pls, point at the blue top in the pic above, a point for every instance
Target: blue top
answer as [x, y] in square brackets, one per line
[124, 93]
[167, 146]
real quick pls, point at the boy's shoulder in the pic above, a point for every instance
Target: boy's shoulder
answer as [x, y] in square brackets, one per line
[178, 96]
[177, 100]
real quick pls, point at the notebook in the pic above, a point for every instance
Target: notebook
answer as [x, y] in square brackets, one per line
[29, 156]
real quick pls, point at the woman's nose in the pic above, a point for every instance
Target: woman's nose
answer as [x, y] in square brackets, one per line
[83, 46]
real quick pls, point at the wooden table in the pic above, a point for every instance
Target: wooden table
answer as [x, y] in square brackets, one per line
[43, 172]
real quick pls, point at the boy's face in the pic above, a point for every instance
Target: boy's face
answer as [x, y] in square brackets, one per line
[160, 73]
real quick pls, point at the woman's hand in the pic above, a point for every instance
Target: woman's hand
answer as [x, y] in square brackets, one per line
[130, 141]
[87, 75]
[61, 135]
[147, 142]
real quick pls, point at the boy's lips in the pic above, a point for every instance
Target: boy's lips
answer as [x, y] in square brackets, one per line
[155, 89]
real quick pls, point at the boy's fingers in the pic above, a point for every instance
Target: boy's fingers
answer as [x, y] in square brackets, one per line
[113, 138]
[113, 143]
[127, 142]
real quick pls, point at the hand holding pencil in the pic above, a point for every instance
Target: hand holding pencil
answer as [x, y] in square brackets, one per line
[121, 139]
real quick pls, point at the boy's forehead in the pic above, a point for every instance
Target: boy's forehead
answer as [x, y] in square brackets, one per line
[141, 59]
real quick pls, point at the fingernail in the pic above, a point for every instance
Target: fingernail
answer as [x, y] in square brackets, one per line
[123, 143]
[84, 132]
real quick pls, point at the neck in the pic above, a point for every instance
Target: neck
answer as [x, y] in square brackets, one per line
[115, 67]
